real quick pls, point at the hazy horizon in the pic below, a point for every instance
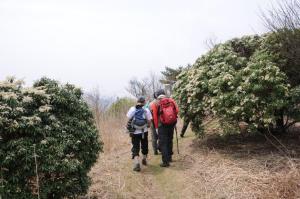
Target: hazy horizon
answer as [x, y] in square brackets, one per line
[105, 43]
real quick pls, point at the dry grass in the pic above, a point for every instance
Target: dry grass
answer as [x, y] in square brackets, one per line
[211, 174]
[107, 175]
[237, 166]
[285, 184]
[247, 167]
[113, 133]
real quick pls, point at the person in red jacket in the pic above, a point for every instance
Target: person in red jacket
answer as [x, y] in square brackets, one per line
[165, 113]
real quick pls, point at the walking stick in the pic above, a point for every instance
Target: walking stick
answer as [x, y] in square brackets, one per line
[177, 139]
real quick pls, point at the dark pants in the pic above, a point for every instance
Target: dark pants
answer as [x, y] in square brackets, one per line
[165, 136]
[139, 141]
[186, 122]
[154, 137]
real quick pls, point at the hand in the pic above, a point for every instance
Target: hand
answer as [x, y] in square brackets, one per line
[130, 134]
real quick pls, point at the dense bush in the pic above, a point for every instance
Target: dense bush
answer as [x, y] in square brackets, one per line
[241, 80]
[52, 122]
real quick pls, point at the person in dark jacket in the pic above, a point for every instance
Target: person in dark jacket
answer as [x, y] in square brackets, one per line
[186, 122]
[165, 132]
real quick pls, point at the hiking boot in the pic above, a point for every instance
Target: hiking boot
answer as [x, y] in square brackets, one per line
[164, 164]
[158, 149]
[136, 163]
[137, 167]
[144, 160]
[181, 135]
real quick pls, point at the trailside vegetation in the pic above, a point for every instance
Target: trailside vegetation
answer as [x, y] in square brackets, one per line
[248, 79]
[49, 140]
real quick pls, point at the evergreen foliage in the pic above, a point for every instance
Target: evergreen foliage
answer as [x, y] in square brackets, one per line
[52, 122]
[246, 79]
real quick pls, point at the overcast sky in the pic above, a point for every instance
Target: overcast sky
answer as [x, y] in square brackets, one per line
[106, 42]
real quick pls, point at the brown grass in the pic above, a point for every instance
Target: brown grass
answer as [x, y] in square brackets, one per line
[285, 185]
[251, 166]
[107, 174]
[237, 166]
[113, 133]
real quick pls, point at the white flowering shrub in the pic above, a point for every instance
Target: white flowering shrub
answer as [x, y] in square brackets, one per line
[53, 123]
[239, 81]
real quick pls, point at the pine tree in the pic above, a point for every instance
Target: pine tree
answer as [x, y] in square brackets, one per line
[169, 75]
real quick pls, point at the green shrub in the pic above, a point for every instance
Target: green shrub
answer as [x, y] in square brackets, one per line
[54, 121]
[240, 81]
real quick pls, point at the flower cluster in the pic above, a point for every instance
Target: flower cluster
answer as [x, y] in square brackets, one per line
[237, 81]
[56, 120]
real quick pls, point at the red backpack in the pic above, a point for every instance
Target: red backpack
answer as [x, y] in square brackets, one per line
[167, 112]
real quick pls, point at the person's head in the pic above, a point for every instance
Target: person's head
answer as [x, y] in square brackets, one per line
[148, 98]
[141, 101]
[155, 95]
[160, 94]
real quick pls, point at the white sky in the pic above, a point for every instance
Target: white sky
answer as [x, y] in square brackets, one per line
[106, 42]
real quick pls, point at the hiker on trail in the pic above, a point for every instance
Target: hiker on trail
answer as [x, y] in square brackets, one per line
[139, 121]
[147, 103]
[154, 134]
[186, 122]
[165, 118]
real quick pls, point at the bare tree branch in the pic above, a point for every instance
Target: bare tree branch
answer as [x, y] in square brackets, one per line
[144, 87]
[211, 42]
[284, 16]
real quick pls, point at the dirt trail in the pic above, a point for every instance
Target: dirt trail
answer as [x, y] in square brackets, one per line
[113, 176]
[202, 170]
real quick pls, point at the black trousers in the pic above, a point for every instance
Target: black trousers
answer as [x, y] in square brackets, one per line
[165, 136]
[186, 122]
[139, 141]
